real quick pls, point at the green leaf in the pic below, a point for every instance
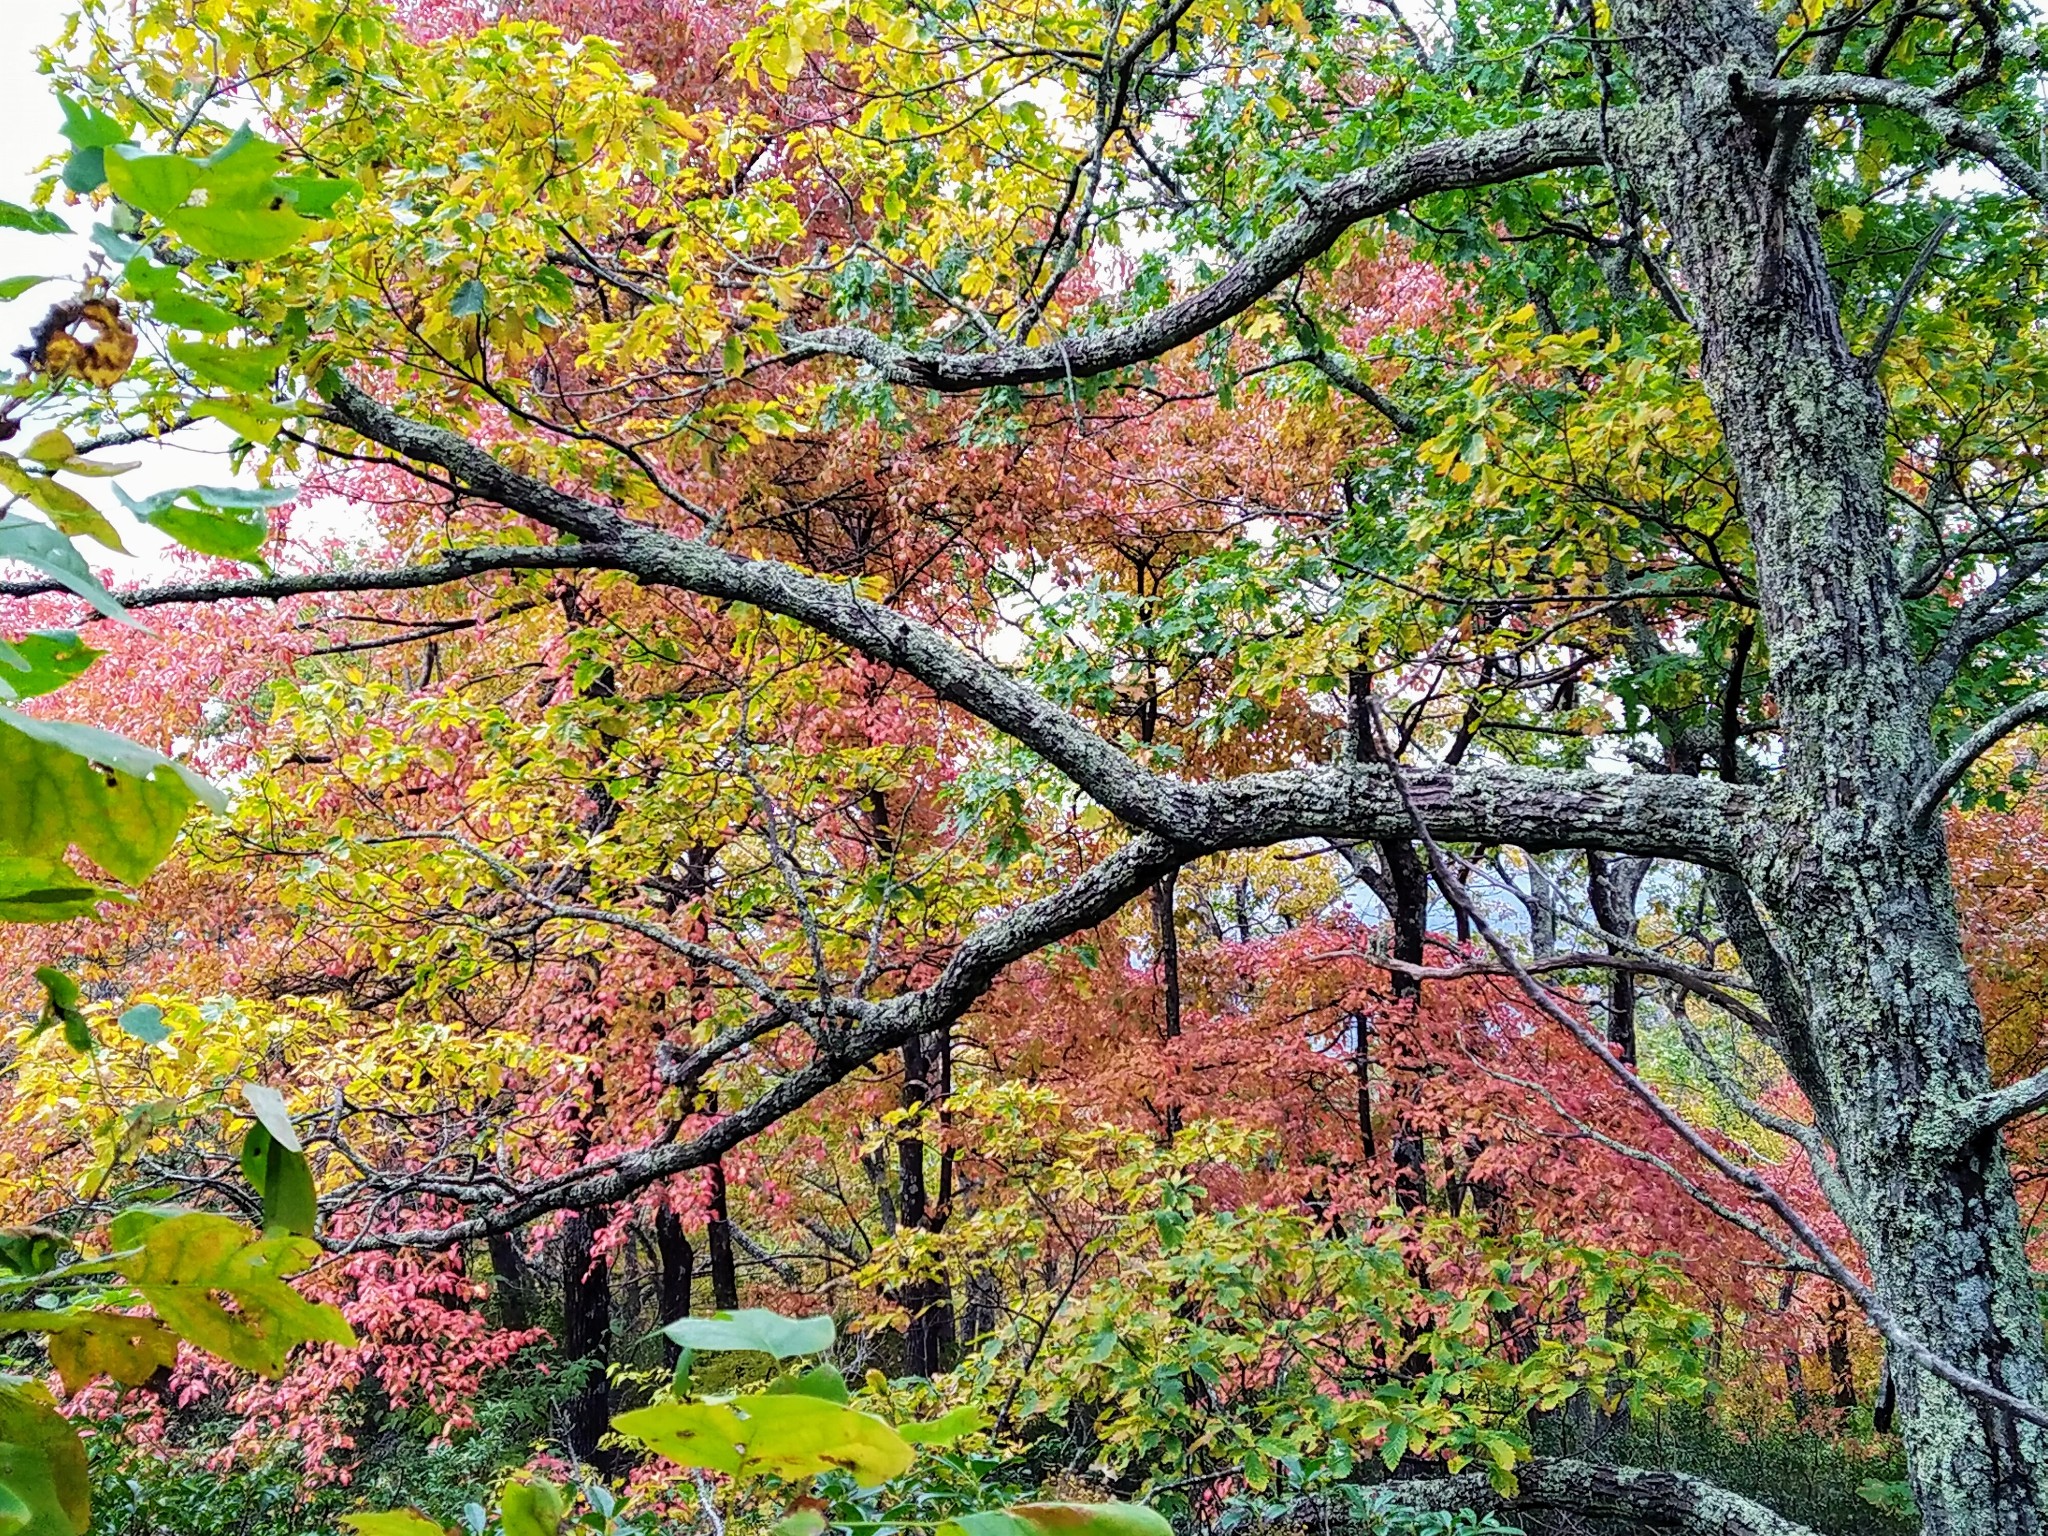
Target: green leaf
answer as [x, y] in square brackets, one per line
[248, 370]
[52, 447]
[241, 171]
[257, 420]
[945, 1429]
[532, 1508]
[71, 786]
[1060, 1520]
[85, 1344]
[238, 234]
[799, 1522]
[34, 221]
[43, 662]
[820, 1381]
[41, 890]
[188, 313]
[227, 521]
[469, 300]
[1395, 1446]
[74, 516]
[87, 127]
[190, 1262]
[394, 1522]
[61, 1010]
[156, 184]
[281, 1176]
[86, 171]
[315, 197]
[754, 1328]
[15, 287]
[50, 552]
[789, 1436]
[268, 1106]
[43, 1486]
[145, 1021]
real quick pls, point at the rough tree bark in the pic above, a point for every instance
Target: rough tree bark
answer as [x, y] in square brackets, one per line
[1890, 1042]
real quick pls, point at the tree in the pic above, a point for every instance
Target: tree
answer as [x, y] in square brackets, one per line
[1805, 567]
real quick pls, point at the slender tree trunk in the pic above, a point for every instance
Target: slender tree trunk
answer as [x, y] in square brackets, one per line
[1402, 885]
[725, 1277]
[1882, 1033]
[1166, 937]
[929, 1338]
[678, 1269]
[509, 1291]
[587, 1336]
[1612, 885]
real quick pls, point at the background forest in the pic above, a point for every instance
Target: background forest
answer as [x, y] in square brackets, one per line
[1263, 766]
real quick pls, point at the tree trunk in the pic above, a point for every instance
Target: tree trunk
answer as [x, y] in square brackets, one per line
[725, 1278]
[1611, 888]
[587, 1337]
[1882, 1033]
[678, 1269]
[508, 1282]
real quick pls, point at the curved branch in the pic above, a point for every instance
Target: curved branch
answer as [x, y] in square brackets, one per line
[1932, 107]
[1558, 141]
[1093, 898]
[1664, 816]
[1958, 762]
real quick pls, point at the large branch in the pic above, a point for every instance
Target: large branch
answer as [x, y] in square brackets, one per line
[1652, 1500]
[1555, 142]
[1695, 820]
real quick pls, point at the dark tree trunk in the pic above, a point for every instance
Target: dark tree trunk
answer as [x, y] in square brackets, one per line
[929, 1339]
[725, 1275]
[1611, 888]
[587, 1337]
[509, 1284]
[1879, 1025]
[1166, 936]
[678, 1269]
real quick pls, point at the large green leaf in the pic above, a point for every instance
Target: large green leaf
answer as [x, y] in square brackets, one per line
[393, 1522]
[247, 369]
[154, 183]
[87, 127]
[71, 786]
[42, 662]
[238, 234]
[43, 1489]
[42, 890]
[819, 1381]
[41, 546]
[190, 1264]
[85, 1344]
[34, 221]
[945, 1429]
[787, 1436]
[1061, 1520]
[224, 520]
[280, 1174]
[532, 1507]
[754, 1328]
